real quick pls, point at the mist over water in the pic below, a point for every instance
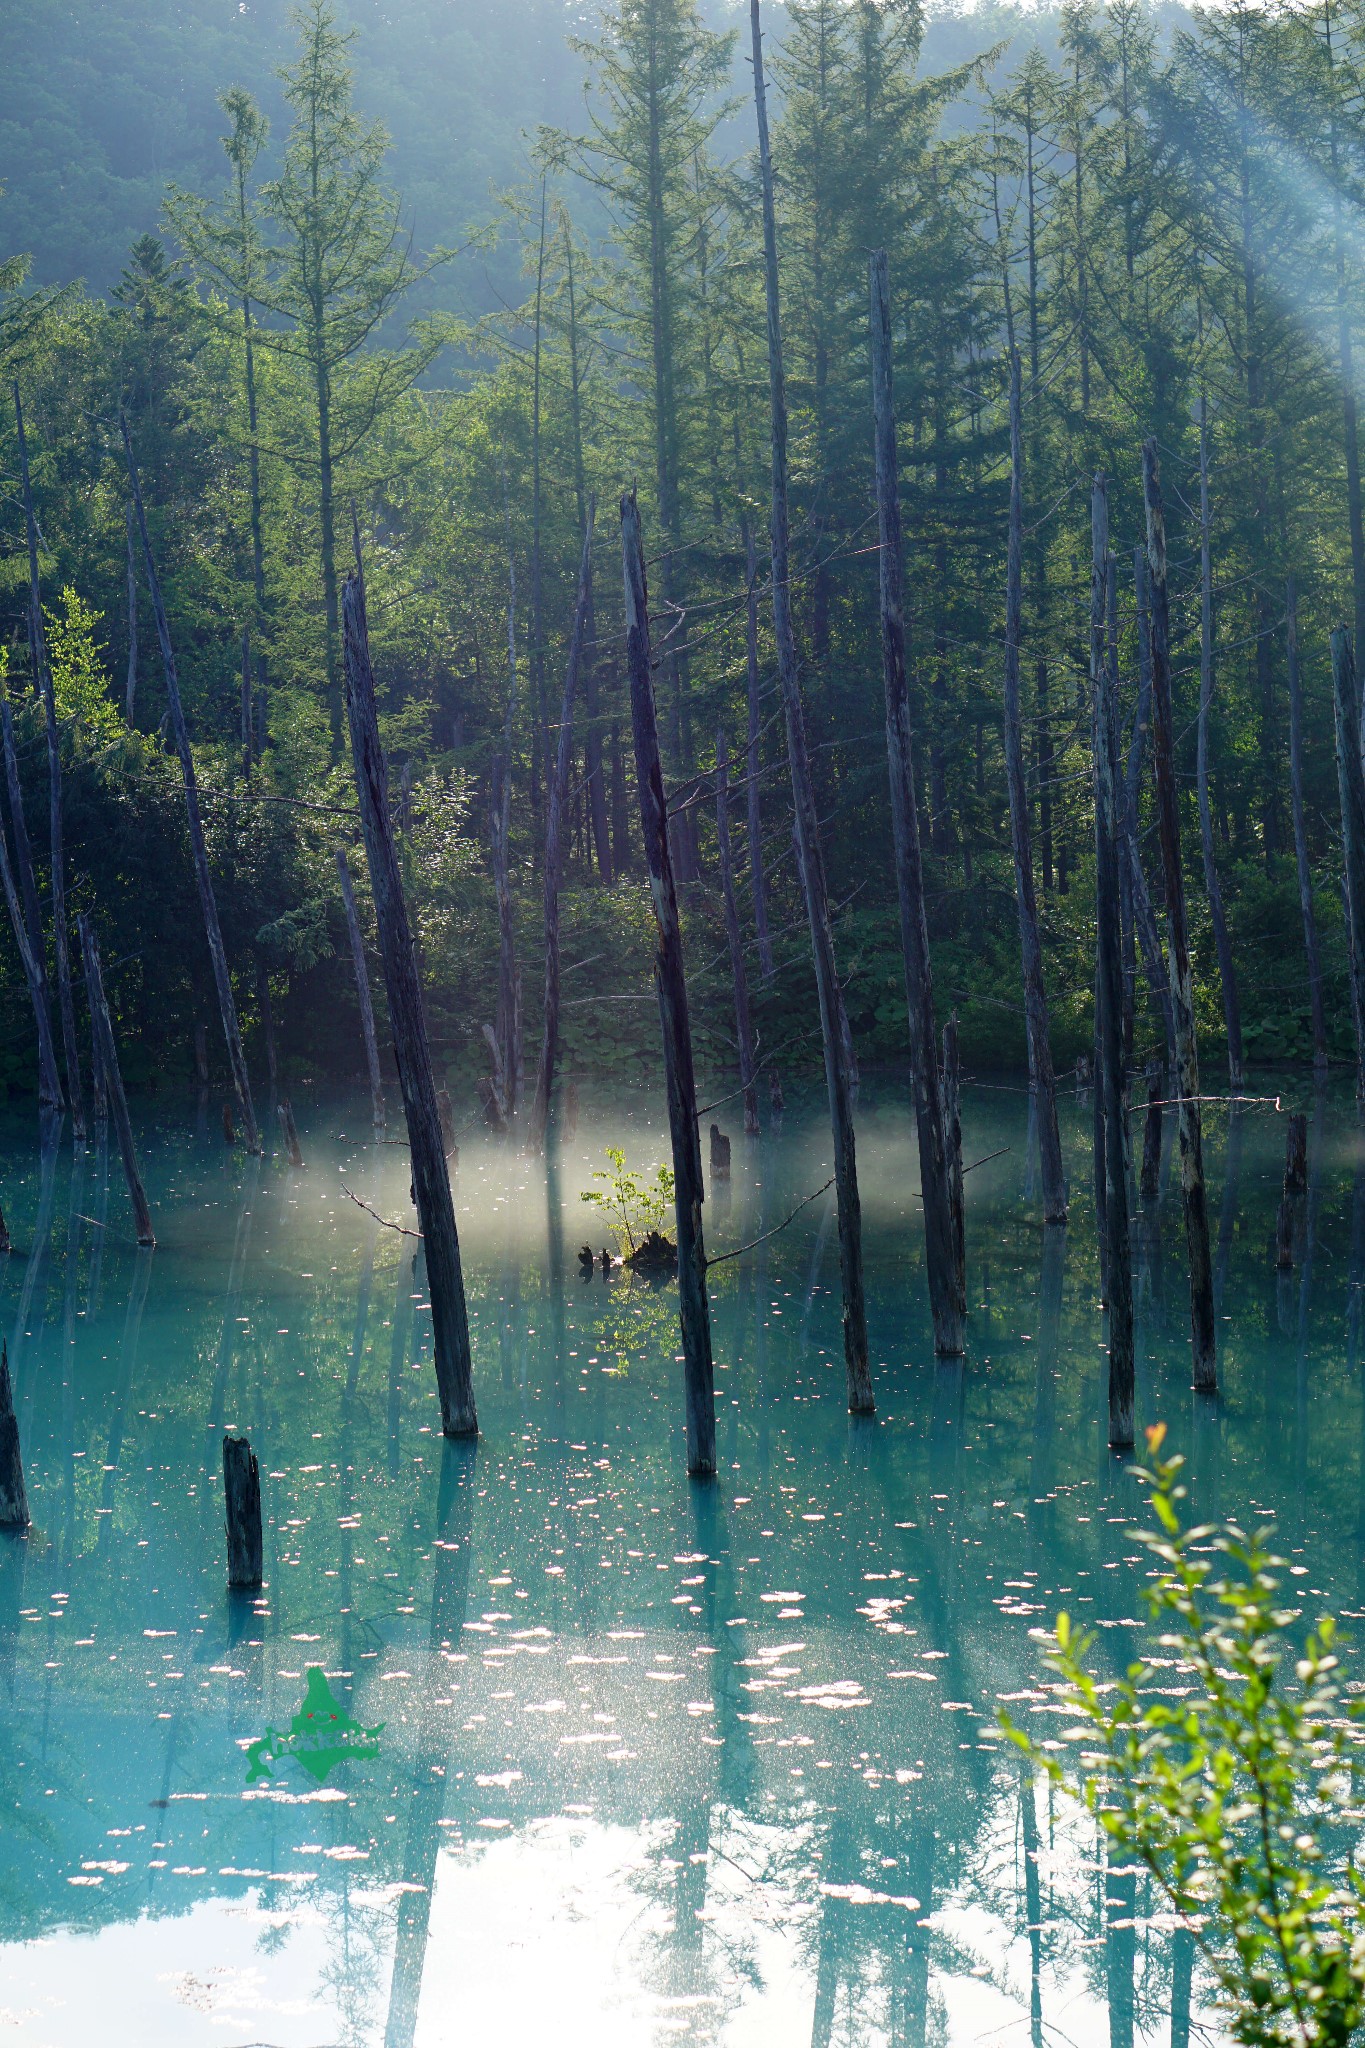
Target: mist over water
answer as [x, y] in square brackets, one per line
[658, 1762]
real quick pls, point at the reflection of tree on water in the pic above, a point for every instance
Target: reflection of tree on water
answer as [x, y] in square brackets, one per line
[449, 1602]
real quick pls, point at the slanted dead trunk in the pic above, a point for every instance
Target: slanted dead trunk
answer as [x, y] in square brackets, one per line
[689, 1192]
[362, 989]
[111, 1078]
[407, 1018]
[208, 905]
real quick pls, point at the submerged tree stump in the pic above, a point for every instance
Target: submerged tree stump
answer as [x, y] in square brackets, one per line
[242, 1508]
[290, 1129]
[13, 1495]
[720, 1154]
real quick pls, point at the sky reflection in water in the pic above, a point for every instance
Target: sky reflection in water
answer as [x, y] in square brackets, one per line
[659, 1763]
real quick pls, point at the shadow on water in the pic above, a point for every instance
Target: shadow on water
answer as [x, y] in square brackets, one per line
[656, 1762]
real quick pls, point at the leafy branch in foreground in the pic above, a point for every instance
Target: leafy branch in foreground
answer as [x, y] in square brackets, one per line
[1224, 1765]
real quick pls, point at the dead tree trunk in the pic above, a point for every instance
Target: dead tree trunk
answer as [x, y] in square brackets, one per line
[42, 676]
[23, 851]
[1110, 1080]
[1144, 917]
[430, 1180]
[248, 723]
[107, 1066]
[947, 1282]
[13, 1493]
[242, 1512]
[213, 931]
[509, 1005]
[744, 1029]
[554, 842]
[809, 853]
[694, 1308]
[757, 881]
[290, 1130]
[1151, 1137]
[362, 989]
[1351, 786]
[49, 1082]
[1190, 1121]
[1305, 872]
[1035, 997]
[1227, 973]
[267, 1023]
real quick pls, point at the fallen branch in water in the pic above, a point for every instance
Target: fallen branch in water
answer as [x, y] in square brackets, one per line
[402, 1230]
[721, 1257]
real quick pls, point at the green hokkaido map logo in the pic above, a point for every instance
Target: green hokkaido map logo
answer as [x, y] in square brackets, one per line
[321, 1735]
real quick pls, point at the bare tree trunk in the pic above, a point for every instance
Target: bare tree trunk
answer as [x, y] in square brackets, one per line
[1227, 973]
[1190, 1123]
[42, 676]
[130, 690]
[509, 1004]
[23, 852]
[554, 842]
[49, 1083]
[247, 719]
[213, 930]
[810, 855]
[430, 1179]
[1110, 1080]
[1351, 785]
[1305, 873]
[620, 809]
[1144, 917]
[751, 764]
[694, 1308]
[1035, 998]
[107, 1065]
[952, 1133]
[362, 989]
[947, 1283]
[744, 1029]
[267, 1022]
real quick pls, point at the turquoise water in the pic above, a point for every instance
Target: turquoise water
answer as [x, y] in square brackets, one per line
[657, 1763]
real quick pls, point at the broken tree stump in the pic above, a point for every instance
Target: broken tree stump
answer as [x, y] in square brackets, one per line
[242, 1508]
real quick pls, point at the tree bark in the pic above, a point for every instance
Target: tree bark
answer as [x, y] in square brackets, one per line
[242, 1512]
[744, 1029]
[362, 989]
[1110, 1081]
[558, 797]
[42, 676]
[1190, 1121]
[110, 1073]
[694, 1307]
[213, 931]
[430, 1180]
[947, 1282]
[1227, 973]
[1351, 787]
[810, 855]
[751, 764]
[1035, 997]
[1305, 872]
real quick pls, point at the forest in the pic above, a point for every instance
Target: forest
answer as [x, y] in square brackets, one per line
[660, 561]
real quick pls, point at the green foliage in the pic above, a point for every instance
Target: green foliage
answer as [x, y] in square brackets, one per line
[1225, 1765]
[80, 685]
[632, 1203]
